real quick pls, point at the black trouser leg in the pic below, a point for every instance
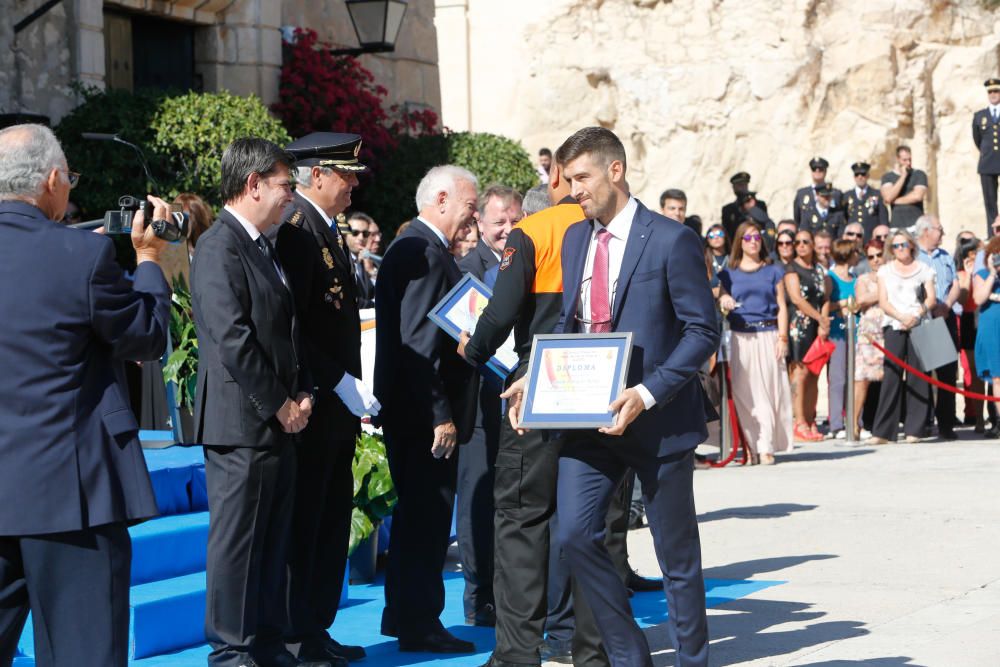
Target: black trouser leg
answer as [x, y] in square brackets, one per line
[250, 503]
[321, 528]
[421, 527]
[944, 404]
[474, 509]
[871, 405]
[77, 585]
[989, 183]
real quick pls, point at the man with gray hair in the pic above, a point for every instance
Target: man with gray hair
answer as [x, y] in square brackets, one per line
[427, 397]
[929, 234]
[535, 200]
[73, 475]
[499, 211]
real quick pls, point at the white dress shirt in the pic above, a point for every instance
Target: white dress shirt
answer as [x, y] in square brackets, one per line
[619, 228]
[322, 213]
[994, 110]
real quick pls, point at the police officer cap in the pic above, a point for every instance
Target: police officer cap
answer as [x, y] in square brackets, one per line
[861, 168]
[740, 177]
[818, 163]
[992, 84]
[744, 197]
[825, 190]
[335, 150]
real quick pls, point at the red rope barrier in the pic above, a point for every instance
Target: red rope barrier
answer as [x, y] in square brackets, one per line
[739, 442]
[927, 378]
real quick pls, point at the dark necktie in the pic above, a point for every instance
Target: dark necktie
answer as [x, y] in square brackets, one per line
[600, 305]
[268, 251]
[994, 114]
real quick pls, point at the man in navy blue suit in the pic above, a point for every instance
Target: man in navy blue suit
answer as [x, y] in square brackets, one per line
[626, 268]
[73, 475]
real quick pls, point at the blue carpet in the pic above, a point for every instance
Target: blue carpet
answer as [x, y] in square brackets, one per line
[358, 623]
[178, 477]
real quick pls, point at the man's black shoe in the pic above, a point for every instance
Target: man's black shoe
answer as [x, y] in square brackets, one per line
[485, 617]
[352, 653]
[438, 641]
[554, 650]
[642, 584]
[947, 434]
[331, 650]
[992, 433]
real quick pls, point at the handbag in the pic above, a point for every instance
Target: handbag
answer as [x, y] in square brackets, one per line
[932, 344]
[818, 354]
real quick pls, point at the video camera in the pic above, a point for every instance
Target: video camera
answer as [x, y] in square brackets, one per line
[120, 221]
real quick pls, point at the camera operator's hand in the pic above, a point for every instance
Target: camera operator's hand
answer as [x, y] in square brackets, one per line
[148, 245]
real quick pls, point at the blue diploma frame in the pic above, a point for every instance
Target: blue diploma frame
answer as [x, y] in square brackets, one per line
[439, 315]
[575, 347]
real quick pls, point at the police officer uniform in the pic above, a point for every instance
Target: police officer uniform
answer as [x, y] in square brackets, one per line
[986, 134]
[805, 198]
[732, 213]
[320, 273]
[864, 206]
[831, 220]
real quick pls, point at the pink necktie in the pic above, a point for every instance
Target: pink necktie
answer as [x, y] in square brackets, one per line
[600, 308]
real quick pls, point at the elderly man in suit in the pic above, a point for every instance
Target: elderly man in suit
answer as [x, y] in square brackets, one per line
[321, 273]
[499, 211]
[252, 396]
[626, 268]
[426, 391]
[73, 475]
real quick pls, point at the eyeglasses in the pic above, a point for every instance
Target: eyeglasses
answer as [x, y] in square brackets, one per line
[897, 246]
[803, 242]
[880, 237]
[73, 178]
[875, 256]
[355, 232]
[784, 243]
[717, 234]
[751, 237]
[852, 235]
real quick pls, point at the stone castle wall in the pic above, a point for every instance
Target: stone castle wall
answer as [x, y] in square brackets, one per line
[699, 90]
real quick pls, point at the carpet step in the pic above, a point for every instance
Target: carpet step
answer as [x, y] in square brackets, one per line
[178, 478]
[169, 547]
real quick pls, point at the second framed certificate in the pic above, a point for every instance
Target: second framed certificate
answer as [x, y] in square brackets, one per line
[573, 378]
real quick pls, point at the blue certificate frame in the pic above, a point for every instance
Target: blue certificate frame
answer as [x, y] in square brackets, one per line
[572, 378]
[456, 313]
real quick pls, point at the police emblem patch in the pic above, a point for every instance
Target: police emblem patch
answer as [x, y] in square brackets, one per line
[508, 255]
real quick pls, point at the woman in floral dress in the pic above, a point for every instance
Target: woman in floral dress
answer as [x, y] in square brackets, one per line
[868, 359]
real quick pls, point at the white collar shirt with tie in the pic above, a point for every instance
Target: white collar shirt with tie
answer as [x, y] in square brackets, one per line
[861, 193]
[254, 235]
[994, 111]
[619, 228]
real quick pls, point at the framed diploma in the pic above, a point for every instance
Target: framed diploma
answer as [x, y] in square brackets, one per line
[572, 378]
[459, 311]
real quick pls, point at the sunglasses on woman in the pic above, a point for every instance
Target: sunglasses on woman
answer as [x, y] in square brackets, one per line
[780, 243]
[803, 242]
[875, 256]
[751, 237]
[898, 246]
[717, 234]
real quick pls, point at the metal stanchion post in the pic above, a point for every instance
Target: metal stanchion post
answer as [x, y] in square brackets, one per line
[725, 428]
[852, 419]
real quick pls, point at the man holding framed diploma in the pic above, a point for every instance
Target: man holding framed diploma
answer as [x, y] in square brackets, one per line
[626, 270]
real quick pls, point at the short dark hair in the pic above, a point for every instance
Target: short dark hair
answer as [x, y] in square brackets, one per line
[249, 155]
[545, 151]
[843, 250]
[363, 217]
[672, 193]
[601, 143]
[903, 148]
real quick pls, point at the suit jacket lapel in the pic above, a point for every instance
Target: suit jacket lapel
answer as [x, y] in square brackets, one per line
[451, 266]
[638, 235]
[574, 279]
[257, 258]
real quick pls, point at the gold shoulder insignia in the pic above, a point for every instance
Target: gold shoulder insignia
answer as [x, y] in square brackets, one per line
[296, 218]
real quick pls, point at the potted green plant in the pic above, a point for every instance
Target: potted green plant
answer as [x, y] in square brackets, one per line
[182, 365]
[374, 498]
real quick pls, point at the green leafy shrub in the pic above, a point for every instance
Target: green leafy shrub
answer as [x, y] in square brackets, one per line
[192, 131]
[374, 493]
[492, 158]
[181, 135]
[109, 170]
[182, 364]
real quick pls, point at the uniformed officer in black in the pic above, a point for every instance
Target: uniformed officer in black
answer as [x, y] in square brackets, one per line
[750, 210]
[732, 213]
[863, 204]
[805, 198]
[822, 216]
[319, 269]
[986, 133]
